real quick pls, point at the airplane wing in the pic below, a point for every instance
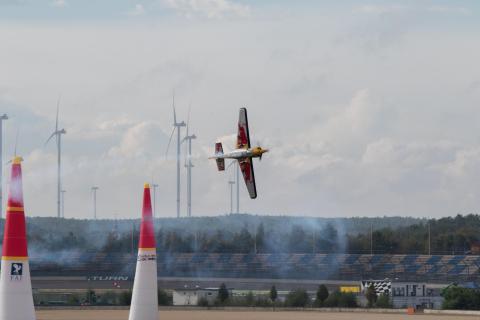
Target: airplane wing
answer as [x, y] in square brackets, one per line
[243, 136]
[246, 165]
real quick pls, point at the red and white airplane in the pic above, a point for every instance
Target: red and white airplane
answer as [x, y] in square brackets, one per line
[244, 153]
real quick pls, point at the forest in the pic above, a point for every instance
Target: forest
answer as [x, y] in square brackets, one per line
[262, 234]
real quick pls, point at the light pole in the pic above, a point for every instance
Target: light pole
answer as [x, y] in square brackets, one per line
[2, 118]
[94, 191]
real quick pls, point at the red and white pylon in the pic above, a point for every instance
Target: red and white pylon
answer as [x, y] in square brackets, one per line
[16, 299]
[144, 304]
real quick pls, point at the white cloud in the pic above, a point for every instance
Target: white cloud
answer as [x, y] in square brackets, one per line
[388, 134]
[381, 9]
[144, 139]
[59, 3]
[450, 9]
[138, 10]
[212, 9]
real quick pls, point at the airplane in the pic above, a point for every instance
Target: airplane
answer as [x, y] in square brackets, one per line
[243, 153]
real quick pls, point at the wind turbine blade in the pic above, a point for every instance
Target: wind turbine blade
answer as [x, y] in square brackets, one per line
[186, 152]
[188, 116]
[173, 106]
[58, 109]
[169, 141]
[49, 138]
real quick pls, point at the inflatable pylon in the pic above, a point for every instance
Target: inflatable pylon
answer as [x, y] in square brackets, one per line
[144, 304]
[16, 299]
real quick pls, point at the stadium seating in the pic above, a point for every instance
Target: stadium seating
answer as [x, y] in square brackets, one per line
[271, 265]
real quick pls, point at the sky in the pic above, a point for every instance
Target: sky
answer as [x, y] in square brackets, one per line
[369, 108]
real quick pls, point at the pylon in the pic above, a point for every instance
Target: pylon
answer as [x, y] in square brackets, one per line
[144, 304]
[16, 299]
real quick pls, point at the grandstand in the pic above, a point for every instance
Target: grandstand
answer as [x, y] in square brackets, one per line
[351, 267]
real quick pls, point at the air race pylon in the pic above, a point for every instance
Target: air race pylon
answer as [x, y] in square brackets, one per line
[144, 304]
[16, 300]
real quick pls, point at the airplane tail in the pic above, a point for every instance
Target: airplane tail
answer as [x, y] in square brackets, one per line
[219, 152]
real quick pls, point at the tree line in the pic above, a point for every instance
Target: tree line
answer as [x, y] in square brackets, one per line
[253, 234]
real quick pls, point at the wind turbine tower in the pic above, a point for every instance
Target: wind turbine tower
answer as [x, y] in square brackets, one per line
[94, 191]
[231, 183]
[237, 180]
[63, 203]
[58, 137]
[177, 126]
[154, 186]
[188, 139]
[3, 117]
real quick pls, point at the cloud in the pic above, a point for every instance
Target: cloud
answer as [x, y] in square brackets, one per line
[358, 134]
[138, 10]
[12, 2]
[381, 9]
[211, 9]
[144, 139]
[59, 3]
[449, 9]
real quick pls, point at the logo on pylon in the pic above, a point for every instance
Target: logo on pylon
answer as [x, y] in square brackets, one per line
[16, 271]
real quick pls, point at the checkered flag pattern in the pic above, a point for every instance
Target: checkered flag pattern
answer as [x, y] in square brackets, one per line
[381, 286]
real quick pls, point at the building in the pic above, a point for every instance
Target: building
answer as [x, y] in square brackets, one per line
[192, 296]
[418, 295]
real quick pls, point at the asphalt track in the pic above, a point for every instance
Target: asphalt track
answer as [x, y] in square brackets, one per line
[235, 315]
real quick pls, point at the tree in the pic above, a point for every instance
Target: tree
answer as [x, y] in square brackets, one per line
[164, 299]
[383, 301]
[260, 238]
[250, 299]
[371, 296]
[273, 294]
[329, 239]
[91, 297]
[322, 295]
[458, 298]
[341, 300]
[125, 298]
[297, 240]
[297, 298]
[223, 293]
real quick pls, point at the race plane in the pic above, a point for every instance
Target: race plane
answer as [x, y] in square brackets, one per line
[244, 153]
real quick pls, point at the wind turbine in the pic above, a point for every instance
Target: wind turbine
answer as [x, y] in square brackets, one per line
[176, 126]
[188, 164]
[58, 137]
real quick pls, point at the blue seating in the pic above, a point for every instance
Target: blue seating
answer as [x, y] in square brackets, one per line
[272, 265]
[434, 259]
[409, 259]
[376, 258]
[351, 259]
[456, 259]
[456, 270]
